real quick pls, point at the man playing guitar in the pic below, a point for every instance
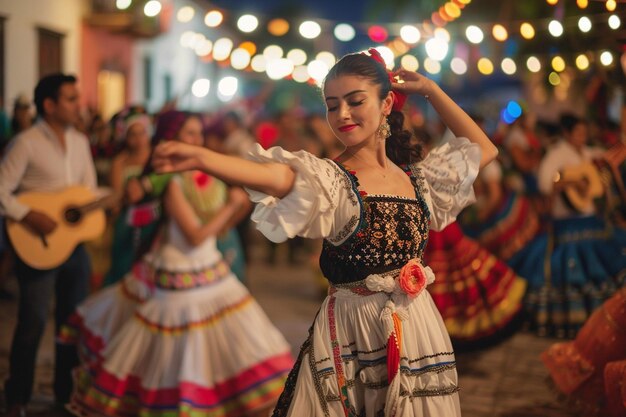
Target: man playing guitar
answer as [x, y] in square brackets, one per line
[49, 156]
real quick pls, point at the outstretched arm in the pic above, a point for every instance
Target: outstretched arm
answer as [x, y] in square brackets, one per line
[274, 179]
[451, 114]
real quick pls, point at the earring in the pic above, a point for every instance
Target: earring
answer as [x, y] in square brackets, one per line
[384, 130]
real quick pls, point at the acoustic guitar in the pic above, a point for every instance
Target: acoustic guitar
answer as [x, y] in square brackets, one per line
[79, 216]
[588, 172]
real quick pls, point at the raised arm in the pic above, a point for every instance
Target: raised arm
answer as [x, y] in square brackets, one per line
[274, 179]
[451, 114]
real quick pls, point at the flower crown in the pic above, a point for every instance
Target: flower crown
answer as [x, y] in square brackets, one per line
[398, 98]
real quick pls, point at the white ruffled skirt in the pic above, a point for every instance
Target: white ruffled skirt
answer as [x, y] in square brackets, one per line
[342, 367]
[206, 351]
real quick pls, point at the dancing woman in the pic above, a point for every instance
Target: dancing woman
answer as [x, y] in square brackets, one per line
[179, 334]
[378, 344]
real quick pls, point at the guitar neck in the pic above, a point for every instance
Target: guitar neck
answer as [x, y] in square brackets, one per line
[97, 204]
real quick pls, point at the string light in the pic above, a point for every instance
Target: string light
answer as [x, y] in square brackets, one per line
[611, 5]
[582, 62]
[185, 14]
[213, 18]
[614, 22]
[582, 3]
[584, 24]
[527, 30]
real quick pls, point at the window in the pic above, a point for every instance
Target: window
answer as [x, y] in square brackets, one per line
[50, 52]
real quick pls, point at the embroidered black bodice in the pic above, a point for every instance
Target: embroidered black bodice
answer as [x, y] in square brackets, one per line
[391, 231]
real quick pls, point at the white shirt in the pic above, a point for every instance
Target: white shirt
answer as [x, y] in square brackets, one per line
[36, 161]
[563, 155]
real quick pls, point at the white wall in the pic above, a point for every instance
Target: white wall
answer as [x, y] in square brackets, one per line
[23, 18]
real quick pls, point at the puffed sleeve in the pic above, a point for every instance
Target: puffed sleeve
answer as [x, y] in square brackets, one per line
[448, 172]
[322, 204]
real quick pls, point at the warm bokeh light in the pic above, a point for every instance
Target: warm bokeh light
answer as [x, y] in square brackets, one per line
[278, 27]
[249, 46]
[200, 88]
[300, 74]
[432, 66]
[452, 9]
[185, 14]
[213, 18]
[582, 3]
[297, 56]
[527, 30]
[614, 22]
[387, 55]
[485, 66]
[606, 58]
[409, 62]
[554, 78]
[258, 63]
[458, 66]
[326, 57]
[552, 2]
[152, 8]
[222, 48]
[123, 4]
[203, 47]
[247, 23]
[410, 34]
[310, 29]
[279, 68]
[508, 66]
[499, 33]
[227, 88]
[317, 70]
[533, 64]
[584, 24]
[436, 48]
[558, 63]
[555, 28]
[474, 34]
[443, 34]
[240, 58]
[344, 32]
[582, 62]
[273, 52]
[611, 5]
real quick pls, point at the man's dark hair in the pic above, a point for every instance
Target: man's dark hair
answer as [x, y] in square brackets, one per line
[568, 122]
[48, 87]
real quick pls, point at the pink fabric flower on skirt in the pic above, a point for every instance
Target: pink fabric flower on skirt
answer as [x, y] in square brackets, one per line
[414, 277]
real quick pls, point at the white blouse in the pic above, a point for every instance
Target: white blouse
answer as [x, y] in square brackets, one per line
[324, 203]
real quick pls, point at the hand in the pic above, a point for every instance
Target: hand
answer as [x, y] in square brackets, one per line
[133, 192]
[582, 187]
[412, 83]
[237, 197]
[175, 156]
[39, 222]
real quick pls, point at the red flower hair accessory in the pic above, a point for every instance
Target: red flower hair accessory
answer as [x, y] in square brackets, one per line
[398, 98]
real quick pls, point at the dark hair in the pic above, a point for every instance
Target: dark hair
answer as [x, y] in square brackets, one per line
[398, 146]
[48, 87]
[568, 122]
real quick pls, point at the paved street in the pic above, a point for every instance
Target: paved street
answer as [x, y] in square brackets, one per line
[507, 380]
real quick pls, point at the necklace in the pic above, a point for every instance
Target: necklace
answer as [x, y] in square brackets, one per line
[382, 171]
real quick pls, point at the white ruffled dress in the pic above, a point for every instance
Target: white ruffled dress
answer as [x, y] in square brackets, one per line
[179, 335]
[344, 368]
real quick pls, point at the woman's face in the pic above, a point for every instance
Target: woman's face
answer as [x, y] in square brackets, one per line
[137, 136]
[191, 132]
[353, 108]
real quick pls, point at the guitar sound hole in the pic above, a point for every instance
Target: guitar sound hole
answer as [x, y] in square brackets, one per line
[72, 215]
